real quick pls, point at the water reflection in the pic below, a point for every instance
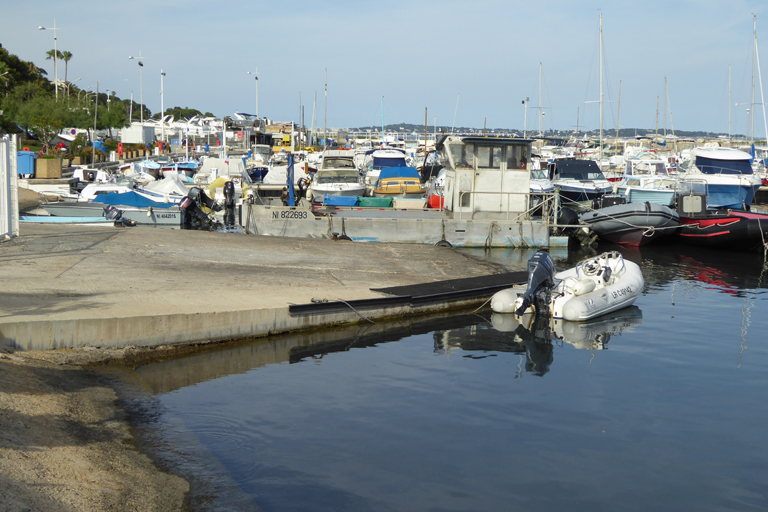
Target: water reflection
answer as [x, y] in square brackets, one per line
[534, 336]
[471, 333]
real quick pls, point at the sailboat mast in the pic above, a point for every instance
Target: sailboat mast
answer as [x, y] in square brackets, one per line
[540, 99]
[760, 77]
[601, 87]
[729, 104]
[665, 108]
[668, 101]
[325, 113]
[618, 117]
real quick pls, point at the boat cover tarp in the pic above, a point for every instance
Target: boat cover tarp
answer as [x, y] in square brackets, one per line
[399, 172]
[131, 198]
[376, 202]
[340, 200]
[172, 184]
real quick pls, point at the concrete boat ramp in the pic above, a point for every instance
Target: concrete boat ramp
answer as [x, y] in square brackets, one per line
[70, 286]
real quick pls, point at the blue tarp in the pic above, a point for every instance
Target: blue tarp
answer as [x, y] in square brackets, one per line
[340, 200]
[130, 199]
[399, 172]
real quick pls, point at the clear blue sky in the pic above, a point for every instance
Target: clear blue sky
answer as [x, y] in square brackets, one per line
[416, 54]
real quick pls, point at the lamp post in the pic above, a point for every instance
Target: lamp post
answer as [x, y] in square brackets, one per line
[107, 100]
[55, 54]
[80, 92]
[141, 89]
[69, 84]
[95, 114]
[525, 118]
[162, 108]
[254, 73]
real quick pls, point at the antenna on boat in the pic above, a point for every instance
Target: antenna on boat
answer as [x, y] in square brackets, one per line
[454, 112]
[325, 118]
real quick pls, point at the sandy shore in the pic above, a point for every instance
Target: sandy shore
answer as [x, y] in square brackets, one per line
[66, 443]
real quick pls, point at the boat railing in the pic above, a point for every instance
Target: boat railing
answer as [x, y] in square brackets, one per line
[547, 204]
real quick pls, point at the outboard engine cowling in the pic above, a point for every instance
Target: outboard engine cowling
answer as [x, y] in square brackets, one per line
[541, 278]
[229, 204]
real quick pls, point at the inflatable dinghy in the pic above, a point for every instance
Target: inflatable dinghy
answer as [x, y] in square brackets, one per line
[594, 287]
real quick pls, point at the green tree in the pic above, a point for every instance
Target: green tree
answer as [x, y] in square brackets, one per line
[66, 57]
[40, 113]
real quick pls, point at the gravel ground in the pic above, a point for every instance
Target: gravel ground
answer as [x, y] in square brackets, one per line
[66, 443]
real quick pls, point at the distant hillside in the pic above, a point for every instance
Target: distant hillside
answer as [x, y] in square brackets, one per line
[418, 130]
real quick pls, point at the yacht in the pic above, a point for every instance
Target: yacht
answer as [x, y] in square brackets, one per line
[724, 174]
[337, 176]
[580, 182]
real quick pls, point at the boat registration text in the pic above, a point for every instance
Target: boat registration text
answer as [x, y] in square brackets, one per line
[290, 214]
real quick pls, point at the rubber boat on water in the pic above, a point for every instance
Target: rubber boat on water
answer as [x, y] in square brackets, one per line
[632, 224]
[728, 229]
[594, 287]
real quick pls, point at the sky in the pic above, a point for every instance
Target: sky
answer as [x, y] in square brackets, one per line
[468, 63]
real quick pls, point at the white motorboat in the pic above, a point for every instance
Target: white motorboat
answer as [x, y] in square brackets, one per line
[646, 179]
[725, 175]
[580, 182]
[592, 288]
[337, 176]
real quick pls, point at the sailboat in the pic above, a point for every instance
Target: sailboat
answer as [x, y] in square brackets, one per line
[725, 175]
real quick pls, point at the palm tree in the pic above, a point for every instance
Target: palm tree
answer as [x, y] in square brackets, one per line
[53, 54]
[65, 56]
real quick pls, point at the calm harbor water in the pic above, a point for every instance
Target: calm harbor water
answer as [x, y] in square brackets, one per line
[659, 407]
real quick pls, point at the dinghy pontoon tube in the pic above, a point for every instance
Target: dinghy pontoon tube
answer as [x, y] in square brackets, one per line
[594, 287]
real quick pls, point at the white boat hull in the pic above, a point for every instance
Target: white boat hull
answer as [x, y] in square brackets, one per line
[584, 292]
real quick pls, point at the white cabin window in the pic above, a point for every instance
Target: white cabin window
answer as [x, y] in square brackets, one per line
[489, 157]
[462, 155]
[517, 158]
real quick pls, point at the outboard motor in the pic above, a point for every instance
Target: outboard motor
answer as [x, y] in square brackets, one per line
[229, 204]
[194, 216]
[568, 217]
[114, 214]
[541, 278]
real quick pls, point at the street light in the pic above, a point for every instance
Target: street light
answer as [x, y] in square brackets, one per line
[141, 89]
[107, 100]
[525, 117]
[81, 91]
[69, 84]
[55, 54]
[256, 76]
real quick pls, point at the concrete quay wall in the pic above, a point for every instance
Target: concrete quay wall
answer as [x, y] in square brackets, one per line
[100, 286]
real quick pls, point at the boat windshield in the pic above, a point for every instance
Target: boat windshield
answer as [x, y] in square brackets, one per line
[712, 166]
[648, 168]
[338, 163]
[326, 177]
[383, 163]
[579, 170]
